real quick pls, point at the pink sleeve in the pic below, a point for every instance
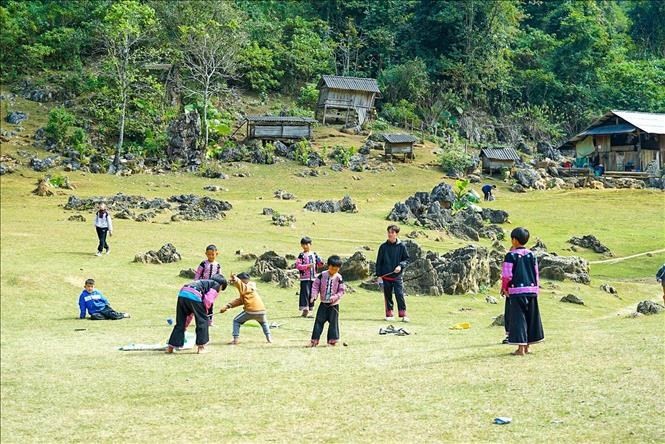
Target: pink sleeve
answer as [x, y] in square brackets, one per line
[300, 265]
[315, 289]
[199, 272]
[341, 288]
[506, 275]
[209, 298]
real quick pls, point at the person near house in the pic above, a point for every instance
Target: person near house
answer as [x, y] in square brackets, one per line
[391, 260]
[487, 191]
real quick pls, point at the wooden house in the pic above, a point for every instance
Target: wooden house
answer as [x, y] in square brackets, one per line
[347, 99]
[621, 141]
[399, 144]
[494, 159]
[279, 127]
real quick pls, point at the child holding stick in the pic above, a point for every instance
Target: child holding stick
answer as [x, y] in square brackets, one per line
[307, 264]
[253, 308]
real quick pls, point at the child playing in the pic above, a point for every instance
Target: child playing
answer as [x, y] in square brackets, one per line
[391, 260]
[94, 302]
[307, 264]
[253, 308]
[519, 283]
[207, 269]
[330, 287]
[194, 299]
[104, 226]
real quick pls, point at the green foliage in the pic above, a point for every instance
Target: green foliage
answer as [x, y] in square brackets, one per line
[403, 113]
[464, 195]
[408, 81]
[60, 181]
[309, 95]
[454, 160]
[301, 154]
[259, 68]
[59, 122]
[379, 125]
[342, 155]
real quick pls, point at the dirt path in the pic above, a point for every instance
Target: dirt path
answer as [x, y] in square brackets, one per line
[620, 259]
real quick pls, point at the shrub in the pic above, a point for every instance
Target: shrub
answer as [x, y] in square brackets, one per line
[309, 95]
[343, 155]
[402, 113]
[455, 160]
[302, 151]
[79, 141]
[59, 121]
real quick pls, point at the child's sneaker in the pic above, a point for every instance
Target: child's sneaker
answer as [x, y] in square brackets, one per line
[304, 313]
[505, 340]
[99, 253]
[108, 251]
[126, 315]
[406, 319]
[390, 318]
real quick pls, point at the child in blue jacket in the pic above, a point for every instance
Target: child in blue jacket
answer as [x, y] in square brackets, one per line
[97, 306]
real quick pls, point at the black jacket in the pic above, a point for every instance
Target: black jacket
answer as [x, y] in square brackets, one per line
[389, 257]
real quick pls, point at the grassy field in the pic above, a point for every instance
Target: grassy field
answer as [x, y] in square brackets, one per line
[598, 377]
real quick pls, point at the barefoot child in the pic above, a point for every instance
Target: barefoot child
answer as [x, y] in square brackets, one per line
[94, 302]
[307, 264]
[193, 299]
[253, 308]
[207, 269]
[330, 287]
[519, 283]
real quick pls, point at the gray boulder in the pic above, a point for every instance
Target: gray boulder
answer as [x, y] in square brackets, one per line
[183, 134]
[527, 177]
[16, 117]
[572, 299]
[559, 268]
[495, 216]
[164, 255]
[357, 267]
[188, 273]
[649, 307]
[591, 242]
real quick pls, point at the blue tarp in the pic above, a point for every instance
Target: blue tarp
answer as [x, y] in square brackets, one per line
[609, 129]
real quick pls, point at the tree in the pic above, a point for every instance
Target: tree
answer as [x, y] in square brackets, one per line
[211, 54]
[126, 26]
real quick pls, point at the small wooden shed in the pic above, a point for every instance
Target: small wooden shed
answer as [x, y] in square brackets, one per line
[494, 159]
[279, 127]
[399, 144]
[346, 99]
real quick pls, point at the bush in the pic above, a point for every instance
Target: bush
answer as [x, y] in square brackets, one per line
[302, 151]
[309, 96]
[455, 161]
[403, 114]
[59, 121]
[342, 155]
[79, 141]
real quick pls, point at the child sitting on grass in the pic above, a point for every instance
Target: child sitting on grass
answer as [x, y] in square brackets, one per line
[194, 299]
[307, 264]
[94, 302]
[253, 308]
[330, 287]
[207, 269]
[519, 283]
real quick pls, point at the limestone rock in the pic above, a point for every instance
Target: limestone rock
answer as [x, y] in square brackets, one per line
[166, 254]
[649, 307]
[572, 299]
[356, 267]
[590, 241]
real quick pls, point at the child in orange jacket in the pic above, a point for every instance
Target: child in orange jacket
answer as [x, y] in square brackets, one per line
[253, 308]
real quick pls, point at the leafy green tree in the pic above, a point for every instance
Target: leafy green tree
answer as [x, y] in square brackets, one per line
[126, 26]
[408, 81]
[259, 69]
[308, 54]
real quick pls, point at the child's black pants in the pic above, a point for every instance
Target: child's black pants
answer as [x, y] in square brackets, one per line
[106, 313]
[398, 287]
[184, 308]
[101, 234]
[326, 313]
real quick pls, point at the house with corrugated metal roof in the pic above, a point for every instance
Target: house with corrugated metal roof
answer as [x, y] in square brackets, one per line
[347, 99]
[494, 159]
[621, 141]
[399, 144]
[279, 127]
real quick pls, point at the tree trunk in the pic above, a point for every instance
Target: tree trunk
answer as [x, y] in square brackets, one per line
[121, 137]
[205, 117]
